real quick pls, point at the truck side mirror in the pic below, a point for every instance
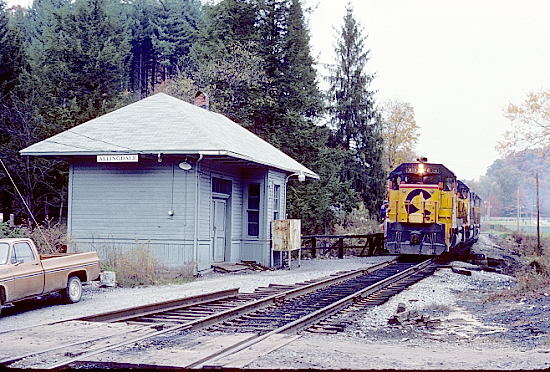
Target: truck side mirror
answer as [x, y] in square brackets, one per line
[16, 262]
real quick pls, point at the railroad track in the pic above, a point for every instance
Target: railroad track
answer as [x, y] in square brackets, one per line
[265, 317]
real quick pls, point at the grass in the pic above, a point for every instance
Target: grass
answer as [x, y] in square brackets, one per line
[135, 267]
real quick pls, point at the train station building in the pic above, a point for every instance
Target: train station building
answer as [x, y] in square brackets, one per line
[190, 184]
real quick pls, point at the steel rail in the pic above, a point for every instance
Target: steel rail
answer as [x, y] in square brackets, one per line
[214, 318]
[309, 319]
[117, 315]
[129, 313]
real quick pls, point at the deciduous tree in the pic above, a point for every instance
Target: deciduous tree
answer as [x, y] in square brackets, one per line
[530, 123]
[400, 133]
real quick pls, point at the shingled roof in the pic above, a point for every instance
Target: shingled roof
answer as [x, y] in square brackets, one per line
[167, 125]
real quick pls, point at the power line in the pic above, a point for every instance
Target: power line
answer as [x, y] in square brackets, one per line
[99, 140]
[27, 206]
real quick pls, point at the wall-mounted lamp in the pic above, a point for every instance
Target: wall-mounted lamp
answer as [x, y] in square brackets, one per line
[184, 165]
[159, 157]
[301, 177]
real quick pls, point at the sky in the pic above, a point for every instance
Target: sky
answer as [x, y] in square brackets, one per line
[458, 63]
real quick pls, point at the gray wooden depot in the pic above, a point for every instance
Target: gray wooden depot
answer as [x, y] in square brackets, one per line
[190, 184]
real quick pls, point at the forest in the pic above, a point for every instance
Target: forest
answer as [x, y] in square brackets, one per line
[510, 183]
[64, 62]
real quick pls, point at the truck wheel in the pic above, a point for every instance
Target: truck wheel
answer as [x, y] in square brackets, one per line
[73, 292]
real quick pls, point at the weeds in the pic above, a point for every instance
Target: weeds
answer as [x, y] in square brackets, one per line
[138, 266]
[533, 276]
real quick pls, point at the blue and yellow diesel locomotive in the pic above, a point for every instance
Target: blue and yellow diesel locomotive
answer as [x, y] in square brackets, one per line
[430, 212]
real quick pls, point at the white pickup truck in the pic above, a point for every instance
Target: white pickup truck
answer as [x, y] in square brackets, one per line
[24, 273]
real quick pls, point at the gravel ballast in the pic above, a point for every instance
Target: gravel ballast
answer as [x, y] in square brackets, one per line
[467, 331]
[96, 300]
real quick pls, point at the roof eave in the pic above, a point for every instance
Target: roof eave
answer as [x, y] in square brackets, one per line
[307, 172]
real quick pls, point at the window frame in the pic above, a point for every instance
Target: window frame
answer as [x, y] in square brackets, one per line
[250, 210]
[276, 201]
[14, 252]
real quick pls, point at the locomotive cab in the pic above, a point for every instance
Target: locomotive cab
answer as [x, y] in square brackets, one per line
[422, 199]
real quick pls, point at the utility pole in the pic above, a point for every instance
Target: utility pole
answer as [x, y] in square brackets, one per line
[539, 248]
[517, 207]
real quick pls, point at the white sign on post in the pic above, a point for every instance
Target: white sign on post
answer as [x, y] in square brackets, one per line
[117, 158]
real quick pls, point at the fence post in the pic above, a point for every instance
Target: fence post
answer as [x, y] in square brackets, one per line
[341, 248]
[314, 247]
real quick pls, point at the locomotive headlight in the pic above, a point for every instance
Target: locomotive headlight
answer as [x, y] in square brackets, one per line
[415, 238]
[421, 169]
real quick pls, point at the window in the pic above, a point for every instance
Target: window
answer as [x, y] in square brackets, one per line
[23, 252]
[221, 186]
[276, 201]
[253, 210]
[4, 250]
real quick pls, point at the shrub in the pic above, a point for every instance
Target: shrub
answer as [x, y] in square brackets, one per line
[358, 221]
[11, 232]
[55, 235]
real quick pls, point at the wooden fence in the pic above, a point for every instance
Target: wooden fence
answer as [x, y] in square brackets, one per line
[369, 244]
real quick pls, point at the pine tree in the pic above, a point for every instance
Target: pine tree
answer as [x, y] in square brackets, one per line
[141, 18]
[174, 35]
[289, 118]
[83, 66]
[358, 127]
[11, 52]
[227, 64]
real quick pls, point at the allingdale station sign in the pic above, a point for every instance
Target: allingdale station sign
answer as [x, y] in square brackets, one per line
[127, 158]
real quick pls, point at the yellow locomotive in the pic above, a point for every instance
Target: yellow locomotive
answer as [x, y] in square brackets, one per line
[429, 211]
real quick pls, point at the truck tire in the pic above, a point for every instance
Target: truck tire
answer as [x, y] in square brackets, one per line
[73, 292]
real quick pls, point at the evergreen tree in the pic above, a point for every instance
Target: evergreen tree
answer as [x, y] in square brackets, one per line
[357, 124]
[11, 52]
[223, 25]
[174, 35]
[141, 23]
[227, 61]
[83, 66]
[288, 118]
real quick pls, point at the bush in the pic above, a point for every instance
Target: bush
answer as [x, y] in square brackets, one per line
[48, 238]
[11, 232]
[138, 266]
[358, 221]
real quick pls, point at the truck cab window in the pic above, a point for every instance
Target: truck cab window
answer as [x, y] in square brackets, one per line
[4, 250]
[23, 252]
